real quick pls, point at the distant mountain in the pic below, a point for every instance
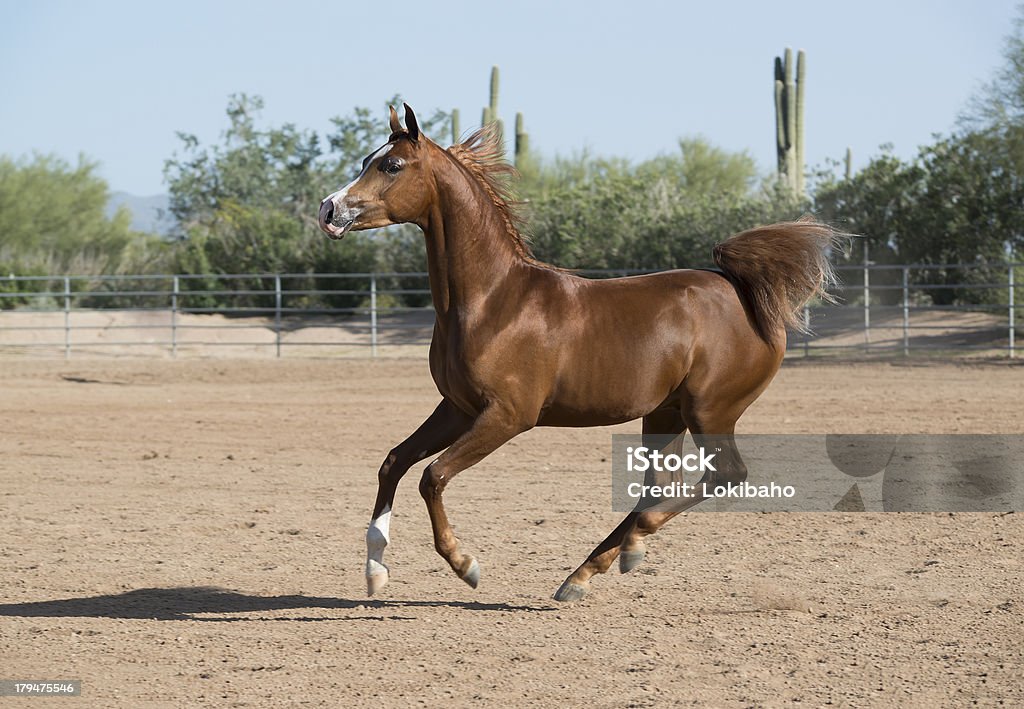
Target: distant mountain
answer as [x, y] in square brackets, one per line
[146, 211]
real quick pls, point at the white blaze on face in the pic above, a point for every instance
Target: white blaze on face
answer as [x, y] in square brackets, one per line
[377, 538]
[339, 196]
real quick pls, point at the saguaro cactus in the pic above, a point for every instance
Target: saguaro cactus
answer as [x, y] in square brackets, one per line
[491, 111]
[456, 130]
[522, 141]
[494, 91]
[789, 118]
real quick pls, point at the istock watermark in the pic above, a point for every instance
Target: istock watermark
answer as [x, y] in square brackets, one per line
[644, 459]
[641, 459]
[819, 473]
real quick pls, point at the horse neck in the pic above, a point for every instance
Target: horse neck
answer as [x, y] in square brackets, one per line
[469, 252]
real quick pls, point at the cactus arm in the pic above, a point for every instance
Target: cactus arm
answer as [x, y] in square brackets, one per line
[801, 74]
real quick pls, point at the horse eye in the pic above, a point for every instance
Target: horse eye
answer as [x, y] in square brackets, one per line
[391, 166]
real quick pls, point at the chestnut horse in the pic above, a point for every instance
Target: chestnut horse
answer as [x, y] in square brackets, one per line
[518, 343]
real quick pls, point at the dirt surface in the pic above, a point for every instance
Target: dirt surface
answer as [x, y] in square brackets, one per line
[179, 533]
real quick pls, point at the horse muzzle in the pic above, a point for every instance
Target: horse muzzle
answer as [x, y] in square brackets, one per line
[335, 222]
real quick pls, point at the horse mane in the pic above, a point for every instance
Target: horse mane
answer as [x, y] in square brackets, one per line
[483, 157]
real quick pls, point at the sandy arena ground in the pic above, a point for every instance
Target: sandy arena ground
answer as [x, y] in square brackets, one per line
[190, 532]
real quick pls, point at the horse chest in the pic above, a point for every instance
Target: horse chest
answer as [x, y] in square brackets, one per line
[454, 376]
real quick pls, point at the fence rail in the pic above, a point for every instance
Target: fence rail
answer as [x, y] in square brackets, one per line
[883, 310]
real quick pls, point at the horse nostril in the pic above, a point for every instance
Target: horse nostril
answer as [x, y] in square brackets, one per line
[327, 212]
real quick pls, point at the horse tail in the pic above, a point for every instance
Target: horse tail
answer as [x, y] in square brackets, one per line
[778, 268]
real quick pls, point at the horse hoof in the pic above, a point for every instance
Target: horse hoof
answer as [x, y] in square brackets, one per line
[629, 560]
[472, 575]
[569, 592]
[376, 578]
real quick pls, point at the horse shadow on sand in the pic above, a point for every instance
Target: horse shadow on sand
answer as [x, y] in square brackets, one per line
[193, 602]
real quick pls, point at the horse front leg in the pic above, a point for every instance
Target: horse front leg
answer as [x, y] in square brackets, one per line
[438, 432]
[492, 428]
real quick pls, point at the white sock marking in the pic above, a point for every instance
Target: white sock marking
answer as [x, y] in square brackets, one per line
[377, 538]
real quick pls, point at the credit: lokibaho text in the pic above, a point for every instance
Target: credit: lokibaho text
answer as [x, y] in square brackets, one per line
[706, 491]
[642, 459]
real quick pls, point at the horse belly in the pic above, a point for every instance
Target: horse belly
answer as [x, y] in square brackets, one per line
[614, 393]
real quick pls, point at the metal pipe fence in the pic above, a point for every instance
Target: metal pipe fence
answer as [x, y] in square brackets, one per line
[883, 311]
[921, 309]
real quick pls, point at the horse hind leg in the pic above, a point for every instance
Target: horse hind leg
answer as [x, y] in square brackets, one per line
[656, 426]
[714, 434]
[658, 423]
[710, 414]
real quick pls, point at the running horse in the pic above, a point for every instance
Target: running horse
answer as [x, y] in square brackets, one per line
[518, 343]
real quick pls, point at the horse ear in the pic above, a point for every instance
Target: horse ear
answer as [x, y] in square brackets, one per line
[410, 123]
[396, 126]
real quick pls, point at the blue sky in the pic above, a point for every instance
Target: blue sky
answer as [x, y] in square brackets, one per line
[116, 80]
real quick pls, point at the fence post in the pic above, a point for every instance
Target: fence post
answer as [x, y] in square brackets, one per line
[906, 313]
[1012, 312]
[67, 317]
[277, 314]
[373, 314]
[807, 331]
[174, 316]
[867, 301]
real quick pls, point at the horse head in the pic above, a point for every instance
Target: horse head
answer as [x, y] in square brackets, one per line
[394, 186]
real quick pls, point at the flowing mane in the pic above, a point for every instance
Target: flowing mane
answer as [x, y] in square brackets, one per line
[483, 157]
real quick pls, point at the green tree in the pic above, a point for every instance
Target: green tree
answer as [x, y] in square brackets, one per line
[971, 210]
[702, 168]
[53, 221]
[1000, 102]
[667, 212]
[876, 204]
[961, 201]
[249, 203]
